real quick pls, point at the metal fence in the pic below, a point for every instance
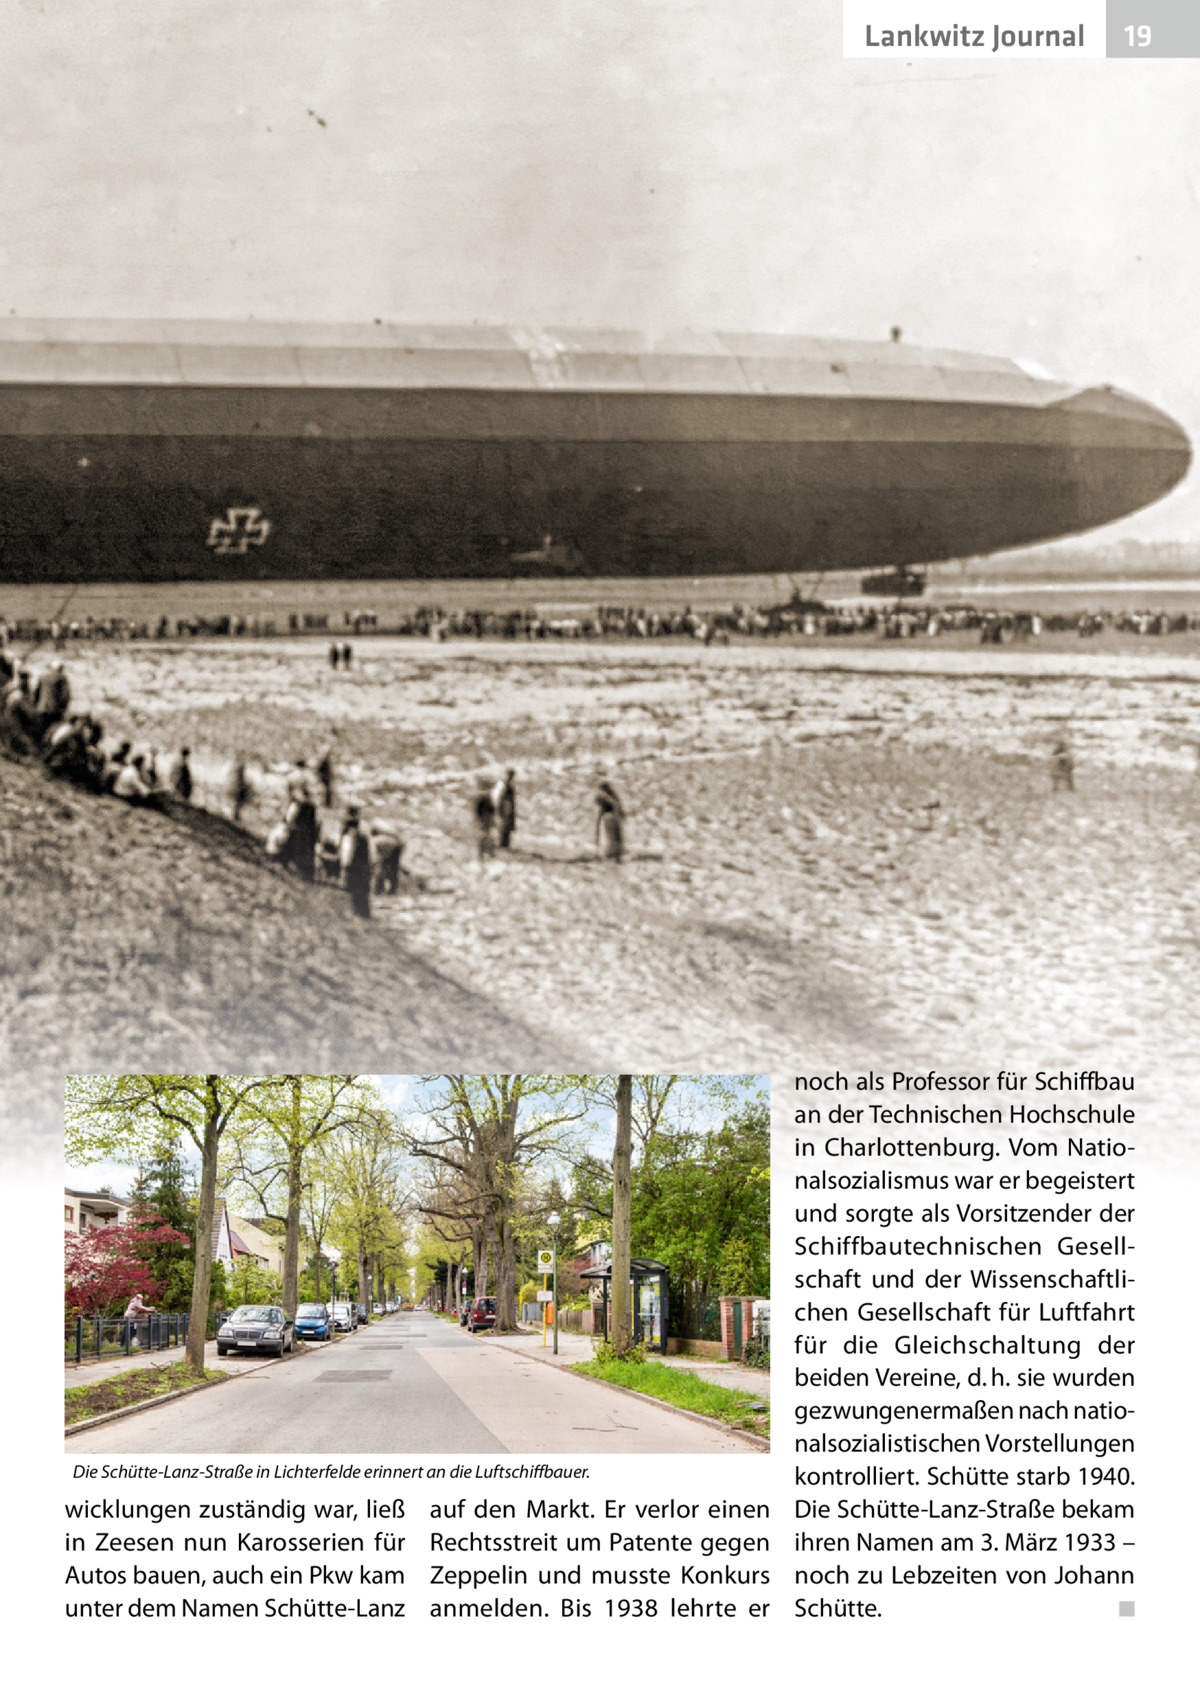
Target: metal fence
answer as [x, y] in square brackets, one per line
[93, 1337]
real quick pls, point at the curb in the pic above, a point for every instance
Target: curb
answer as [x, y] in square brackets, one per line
[171, 1395]
[763, 1444]
[139, 1407]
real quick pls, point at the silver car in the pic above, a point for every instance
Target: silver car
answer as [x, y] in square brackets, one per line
[257, 1330]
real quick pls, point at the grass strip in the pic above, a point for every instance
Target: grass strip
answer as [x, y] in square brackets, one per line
[686, 1390]
[110, 1395]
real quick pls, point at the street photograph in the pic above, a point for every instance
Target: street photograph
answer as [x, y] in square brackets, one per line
[453, 1264]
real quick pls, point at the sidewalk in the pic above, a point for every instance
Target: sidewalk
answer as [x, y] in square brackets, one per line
[92, 1372]
[573, 1347]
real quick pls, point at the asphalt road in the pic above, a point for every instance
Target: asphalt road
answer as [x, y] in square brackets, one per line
[410, 1384]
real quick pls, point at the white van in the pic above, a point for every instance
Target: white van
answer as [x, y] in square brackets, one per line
[344, 1316]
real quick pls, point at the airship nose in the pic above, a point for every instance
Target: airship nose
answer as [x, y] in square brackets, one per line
[1126, 452]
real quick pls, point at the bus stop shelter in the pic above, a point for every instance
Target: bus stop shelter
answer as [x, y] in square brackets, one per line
[649, 1301]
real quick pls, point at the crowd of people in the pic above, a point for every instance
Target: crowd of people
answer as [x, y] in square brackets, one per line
[36, 720]
[796, 619]
[314, 838]
[57, 631]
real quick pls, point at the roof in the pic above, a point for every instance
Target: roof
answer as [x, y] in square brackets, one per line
[502, 357]
[219, 1212]
[637, 1267]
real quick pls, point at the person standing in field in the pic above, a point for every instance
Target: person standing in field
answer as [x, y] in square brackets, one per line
[240, 790]
[1062, 772]
[324, 774]
[610, 820]
[354, 855]
[484, 810]
[504, 797]
[300, 847]
[181, 775]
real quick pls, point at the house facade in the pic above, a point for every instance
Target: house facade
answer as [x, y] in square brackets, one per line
[93, 1209]
[261, 1246]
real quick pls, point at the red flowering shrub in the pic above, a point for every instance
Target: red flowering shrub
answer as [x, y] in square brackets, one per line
[105, 1267]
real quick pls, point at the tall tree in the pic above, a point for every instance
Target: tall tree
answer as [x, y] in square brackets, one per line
[365, 1154]
[165, 1191]
[621, 1334]
[320, 1202]
[294, 1114]
[492, 1131]
[132, 1117]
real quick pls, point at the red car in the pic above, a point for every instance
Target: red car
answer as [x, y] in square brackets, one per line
[483, 1313]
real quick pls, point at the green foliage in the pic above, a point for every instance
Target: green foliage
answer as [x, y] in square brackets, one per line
[604, 1354]
[252, 1285]
[110, 1395]
[757, 1353]
[695, 1194]
[736, 1270]
[166, 1186]
[682, 1389]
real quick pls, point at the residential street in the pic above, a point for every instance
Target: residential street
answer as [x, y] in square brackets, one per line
[410, 1384]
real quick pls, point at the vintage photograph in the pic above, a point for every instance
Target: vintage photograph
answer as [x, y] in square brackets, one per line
[462, 1265]
[531, 535]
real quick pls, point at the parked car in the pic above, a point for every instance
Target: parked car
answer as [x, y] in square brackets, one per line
[378, 1307]
[360, 1312]
[344, 1316]
[257, 1330]
[313, 1320]
[483, 1313]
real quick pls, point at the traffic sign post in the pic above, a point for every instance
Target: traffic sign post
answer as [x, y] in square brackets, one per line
[547, 1267]
[548, 1262]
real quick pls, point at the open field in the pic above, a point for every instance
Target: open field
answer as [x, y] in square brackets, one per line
[828, 859]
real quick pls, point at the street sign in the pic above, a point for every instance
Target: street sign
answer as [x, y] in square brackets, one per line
[545, 1259]
[545, 1295]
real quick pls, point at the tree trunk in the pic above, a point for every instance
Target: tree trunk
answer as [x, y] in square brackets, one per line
[202, 1280]
[291, 1237]
[620, 1333]
[362, 1269]
[506, 1279]
[291, 1225]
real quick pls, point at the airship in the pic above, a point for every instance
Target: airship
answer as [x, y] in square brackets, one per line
[163, 451]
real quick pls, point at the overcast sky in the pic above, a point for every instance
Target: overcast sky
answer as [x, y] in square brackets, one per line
[650, 163]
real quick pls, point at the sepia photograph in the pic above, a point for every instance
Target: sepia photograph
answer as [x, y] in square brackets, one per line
[347, 1265]
[531, 535]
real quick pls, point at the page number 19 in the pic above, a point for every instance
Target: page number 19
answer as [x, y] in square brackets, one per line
[1139, 34]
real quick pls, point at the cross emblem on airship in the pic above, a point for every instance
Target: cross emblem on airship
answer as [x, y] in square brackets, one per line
[234, 535]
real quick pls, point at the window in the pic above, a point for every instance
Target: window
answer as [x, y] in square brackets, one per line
[70, 1214]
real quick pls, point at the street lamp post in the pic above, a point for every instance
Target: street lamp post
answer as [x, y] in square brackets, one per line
[554, 1221]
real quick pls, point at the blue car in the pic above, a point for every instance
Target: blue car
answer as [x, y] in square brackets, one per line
[313, 1321]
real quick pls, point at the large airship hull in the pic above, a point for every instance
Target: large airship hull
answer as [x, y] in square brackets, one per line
[169, 452]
